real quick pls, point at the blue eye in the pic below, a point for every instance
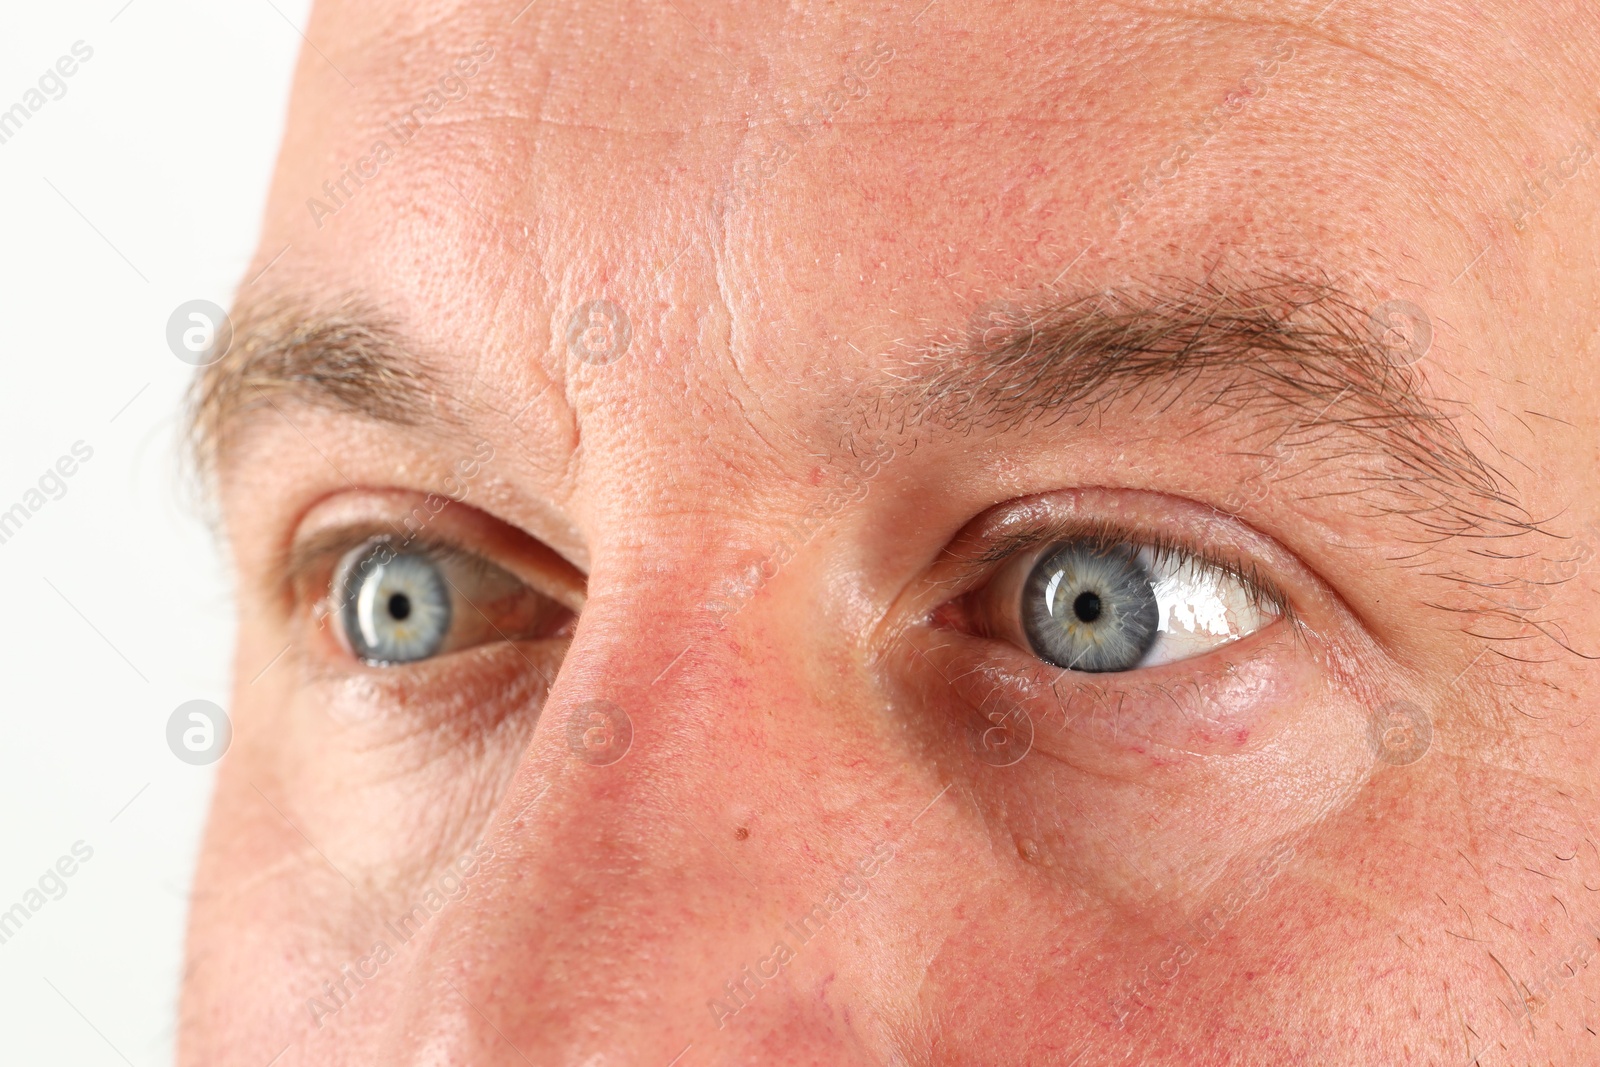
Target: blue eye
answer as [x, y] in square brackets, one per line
[1090, 608]
[1090, 605]
[395, 605]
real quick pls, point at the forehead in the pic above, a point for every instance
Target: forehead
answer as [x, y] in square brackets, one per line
[767, 210]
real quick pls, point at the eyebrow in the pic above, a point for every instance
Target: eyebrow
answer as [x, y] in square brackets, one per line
[1298, 357]
[347, 357]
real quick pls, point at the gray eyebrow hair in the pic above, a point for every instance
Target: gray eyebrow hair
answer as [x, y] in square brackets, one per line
[344, 357]
[1299, 356]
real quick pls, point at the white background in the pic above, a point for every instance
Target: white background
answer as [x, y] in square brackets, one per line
[164, 143]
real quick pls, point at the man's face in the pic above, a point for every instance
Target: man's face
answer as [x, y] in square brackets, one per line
[949, 534]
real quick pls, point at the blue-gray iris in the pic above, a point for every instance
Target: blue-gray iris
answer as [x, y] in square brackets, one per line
[396, 607]
[1090, 607]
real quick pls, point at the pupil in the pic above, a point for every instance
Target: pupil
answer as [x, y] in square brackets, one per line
[1086, 607]
[400, 606]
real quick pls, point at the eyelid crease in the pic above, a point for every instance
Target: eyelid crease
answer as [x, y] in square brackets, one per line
[1103, 534]
[474, 541]
[308, 555]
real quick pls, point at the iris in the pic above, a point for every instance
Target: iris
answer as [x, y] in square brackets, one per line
[396, 607]
[1089, 607]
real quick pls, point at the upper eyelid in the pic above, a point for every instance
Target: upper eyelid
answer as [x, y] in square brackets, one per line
[311, 553]
[326, 547]
[457, 533]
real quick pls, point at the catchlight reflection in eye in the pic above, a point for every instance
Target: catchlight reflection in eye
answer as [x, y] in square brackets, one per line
[1088, 606]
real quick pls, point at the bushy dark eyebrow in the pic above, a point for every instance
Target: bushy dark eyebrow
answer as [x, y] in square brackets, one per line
[1299, 358]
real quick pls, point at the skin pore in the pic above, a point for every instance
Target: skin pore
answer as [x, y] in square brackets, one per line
[731, 361]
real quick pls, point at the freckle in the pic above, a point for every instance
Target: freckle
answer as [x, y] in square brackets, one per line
[741, 833]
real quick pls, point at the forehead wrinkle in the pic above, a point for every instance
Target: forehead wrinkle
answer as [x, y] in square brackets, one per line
[1293, 354]
[1404, 67]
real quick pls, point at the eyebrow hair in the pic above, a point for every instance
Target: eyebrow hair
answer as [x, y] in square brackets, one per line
[1299, 356]
[345, 357]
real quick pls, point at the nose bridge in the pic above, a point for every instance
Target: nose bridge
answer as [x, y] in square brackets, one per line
[624, 894]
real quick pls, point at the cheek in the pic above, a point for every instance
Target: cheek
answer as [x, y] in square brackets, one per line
[1138, 793]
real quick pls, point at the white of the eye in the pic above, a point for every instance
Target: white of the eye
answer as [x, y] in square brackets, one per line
[1201, 608]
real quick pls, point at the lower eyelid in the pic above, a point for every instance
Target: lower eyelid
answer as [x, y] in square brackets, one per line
[1219, 703]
